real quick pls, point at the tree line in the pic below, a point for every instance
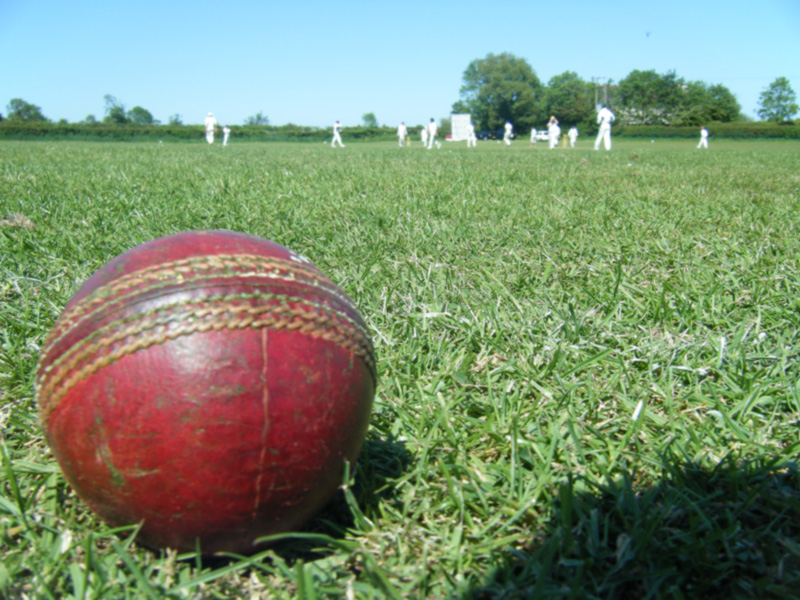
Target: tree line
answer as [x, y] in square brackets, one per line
[115, 114]
[503, 87]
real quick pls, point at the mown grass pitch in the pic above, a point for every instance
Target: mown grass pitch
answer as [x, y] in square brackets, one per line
[588, 364]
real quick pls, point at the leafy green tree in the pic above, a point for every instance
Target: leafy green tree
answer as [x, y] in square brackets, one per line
[650, 98]
[498, 88]
[175, 120]
[140, 116]
[115, 111]
[369, 120]
[570, 99]
[694, 105]
[703, 103]
[723, 105]
[90, 119]
[460, 108]
[19, 110]
[778, 101]
[257, 119]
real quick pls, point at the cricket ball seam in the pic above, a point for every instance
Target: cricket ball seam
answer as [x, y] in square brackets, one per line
[54, 386]
[213, 304]
[167, 274]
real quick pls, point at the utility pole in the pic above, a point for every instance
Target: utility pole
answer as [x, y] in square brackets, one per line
[596, 81]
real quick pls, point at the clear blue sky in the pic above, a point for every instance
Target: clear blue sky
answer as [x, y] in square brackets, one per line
[312, 62]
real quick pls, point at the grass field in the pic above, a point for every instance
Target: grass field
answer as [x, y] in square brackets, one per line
[588, 364]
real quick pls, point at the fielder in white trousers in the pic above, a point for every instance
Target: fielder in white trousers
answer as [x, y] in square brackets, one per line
[401, 133]
[472, 140]
[573, 135]
[553, 132]
[604, 118]
[337, 128]
[211, 126]
[553, 135]
[432, 135]
[703, 138]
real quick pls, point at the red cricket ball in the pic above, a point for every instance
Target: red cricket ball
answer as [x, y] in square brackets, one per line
[209, 385]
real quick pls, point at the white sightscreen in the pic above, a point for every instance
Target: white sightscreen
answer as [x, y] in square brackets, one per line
[459, 124]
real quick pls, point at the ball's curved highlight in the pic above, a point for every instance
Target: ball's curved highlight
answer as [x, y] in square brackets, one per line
[209, 385]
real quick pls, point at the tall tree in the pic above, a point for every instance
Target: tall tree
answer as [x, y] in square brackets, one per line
[115, 111]
[141, 116]
[650, 98]
[369, 119]
[498, 88]
[703, 103]
[257, 119]
[569, 98]
[19, 110]
[722, 104]
[778, 101]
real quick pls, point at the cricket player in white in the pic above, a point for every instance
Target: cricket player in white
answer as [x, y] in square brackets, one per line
[472, 139]
[553, 132]
[533, 135]
[509, 132]
[703, 138]
[337, 128]
[573, 135]
[432, 134]
[226, 133]
[402, 132]
[604, 119]
[423, 134]
[211, 127]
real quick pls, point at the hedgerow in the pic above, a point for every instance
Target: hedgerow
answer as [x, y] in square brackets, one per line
[298, 133]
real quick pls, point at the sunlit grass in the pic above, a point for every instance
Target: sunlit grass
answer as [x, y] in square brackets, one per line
[588, 364]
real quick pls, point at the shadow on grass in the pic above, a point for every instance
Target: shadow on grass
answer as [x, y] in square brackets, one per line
[730, 532]
[380, 462]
